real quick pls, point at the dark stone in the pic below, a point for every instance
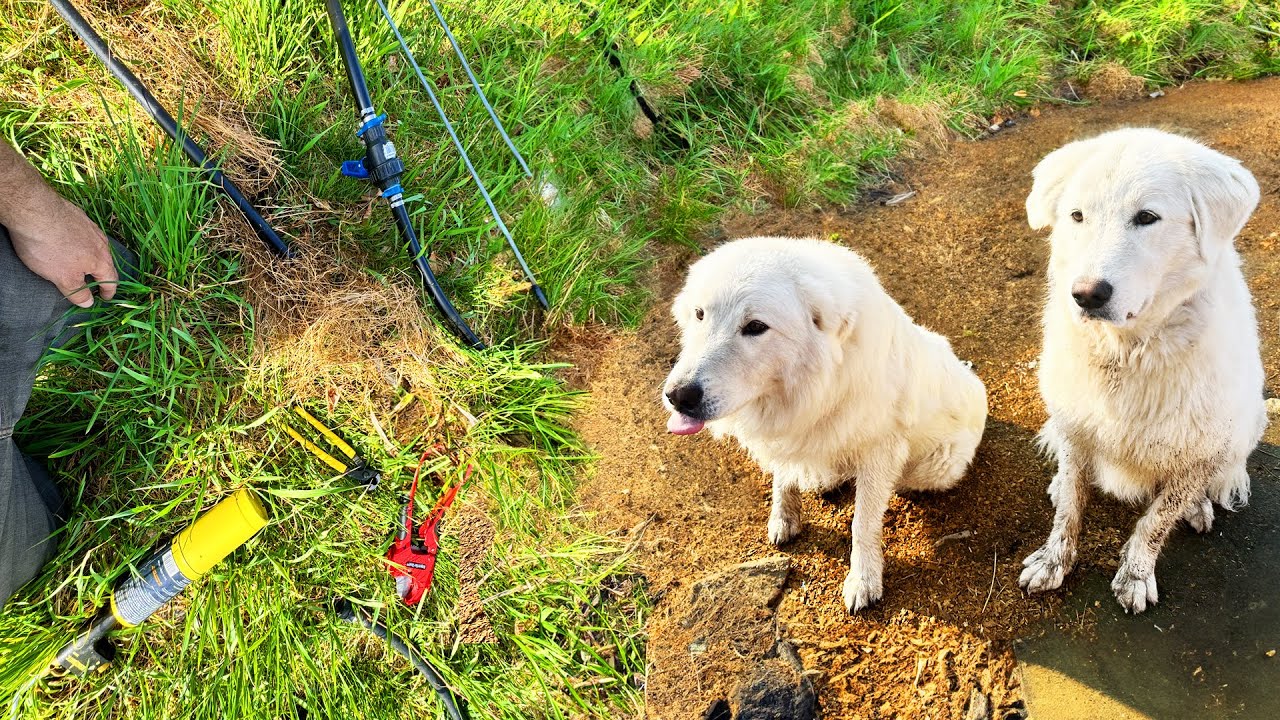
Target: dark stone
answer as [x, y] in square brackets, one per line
[719, 710]
[777, 689]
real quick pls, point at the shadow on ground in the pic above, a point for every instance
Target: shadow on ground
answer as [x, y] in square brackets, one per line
[1210, 649]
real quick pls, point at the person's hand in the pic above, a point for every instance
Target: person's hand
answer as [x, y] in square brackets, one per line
[62, 245]
[51, 236]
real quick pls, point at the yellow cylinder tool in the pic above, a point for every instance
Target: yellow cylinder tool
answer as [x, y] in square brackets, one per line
[164, 574]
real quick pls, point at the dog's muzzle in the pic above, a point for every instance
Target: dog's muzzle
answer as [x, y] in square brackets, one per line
[688, 411]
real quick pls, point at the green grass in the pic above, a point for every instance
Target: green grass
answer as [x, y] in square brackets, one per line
[171, 398]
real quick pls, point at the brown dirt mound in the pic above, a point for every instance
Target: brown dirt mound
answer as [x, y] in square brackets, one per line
[961, 259]
[1113, 81]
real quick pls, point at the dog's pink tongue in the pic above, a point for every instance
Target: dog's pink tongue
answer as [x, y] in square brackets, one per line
[680, 424]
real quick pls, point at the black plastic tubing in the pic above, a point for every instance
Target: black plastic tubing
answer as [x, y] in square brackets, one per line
[166, 122]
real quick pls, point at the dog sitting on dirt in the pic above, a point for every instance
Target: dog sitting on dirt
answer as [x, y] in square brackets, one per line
[792, 347]
[1150, 369]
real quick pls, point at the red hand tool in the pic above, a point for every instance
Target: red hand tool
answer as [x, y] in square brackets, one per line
[412, 556]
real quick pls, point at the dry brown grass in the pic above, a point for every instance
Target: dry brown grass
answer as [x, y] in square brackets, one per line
[1113, 81]
[924, 123]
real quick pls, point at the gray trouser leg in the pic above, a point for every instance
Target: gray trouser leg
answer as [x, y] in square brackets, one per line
[32, 313]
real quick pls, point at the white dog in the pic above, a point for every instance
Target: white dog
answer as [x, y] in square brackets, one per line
[1150, 369]
[792, 347]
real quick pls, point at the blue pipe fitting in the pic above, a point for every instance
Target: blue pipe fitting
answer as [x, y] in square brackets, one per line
[371, 124]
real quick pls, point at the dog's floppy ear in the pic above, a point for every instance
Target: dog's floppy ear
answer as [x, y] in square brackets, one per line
[1223, 196]
[832, 310]
[1050, 178]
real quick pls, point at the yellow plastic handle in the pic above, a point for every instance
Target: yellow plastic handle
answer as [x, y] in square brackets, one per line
[212, 537]
[326, 432]
[316, 450]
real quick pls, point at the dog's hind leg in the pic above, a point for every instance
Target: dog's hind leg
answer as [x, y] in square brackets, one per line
[878, 475]
[943, 467]
[1231, 488]
[1199, 515]
[1045, 568]
[785, 519]
[1135, 582]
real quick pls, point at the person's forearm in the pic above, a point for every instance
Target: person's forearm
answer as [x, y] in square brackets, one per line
[24, 196]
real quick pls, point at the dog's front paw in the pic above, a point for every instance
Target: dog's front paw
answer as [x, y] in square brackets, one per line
[1200, 515]
[1046, 568]
[1135, 588]
[862, 590]
[783, 527]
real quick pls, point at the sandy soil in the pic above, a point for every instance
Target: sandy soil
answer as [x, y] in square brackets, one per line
[962, 261]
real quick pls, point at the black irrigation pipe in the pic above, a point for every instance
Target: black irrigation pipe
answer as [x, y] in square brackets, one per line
[382, 167]
[350, 613]
[166, 122]
[614, 55]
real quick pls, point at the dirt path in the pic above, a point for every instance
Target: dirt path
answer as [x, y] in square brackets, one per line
[962, 261]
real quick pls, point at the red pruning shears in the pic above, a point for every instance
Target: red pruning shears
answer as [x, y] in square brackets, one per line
[412, 555]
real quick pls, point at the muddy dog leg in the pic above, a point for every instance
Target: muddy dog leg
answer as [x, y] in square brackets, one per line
[1199, 515]
[878, 476]
[1135, 582]
[1045, 568]
[785, 519]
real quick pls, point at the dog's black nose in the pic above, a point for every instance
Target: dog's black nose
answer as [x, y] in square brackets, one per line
[686, 398]
[1091, 294]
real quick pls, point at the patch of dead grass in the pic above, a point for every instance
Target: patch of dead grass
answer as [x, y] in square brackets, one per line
[1113, 81]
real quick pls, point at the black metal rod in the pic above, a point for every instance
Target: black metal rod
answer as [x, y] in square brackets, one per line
[385, 168]
[166, 122]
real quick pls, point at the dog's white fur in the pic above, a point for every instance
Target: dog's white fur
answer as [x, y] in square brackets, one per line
[1159, 397]
[842, 385]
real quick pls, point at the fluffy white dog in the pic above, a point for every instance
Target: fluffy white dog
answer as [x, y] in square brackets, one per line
[792, 347]
[1150, 369]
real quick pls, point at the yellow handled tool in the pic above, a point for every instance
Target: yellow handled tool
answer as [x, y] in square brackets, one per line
[353, 466]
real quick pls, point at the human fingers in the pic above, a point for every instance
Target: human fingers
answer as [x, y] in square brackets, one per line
[77, 294]
[106, 274]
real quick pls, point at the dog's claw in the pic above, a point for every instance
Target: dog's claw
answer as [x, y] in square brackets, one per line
[1134, 589]
[1200, 515]
[861, 592]
[782, 529]
[1045, 569]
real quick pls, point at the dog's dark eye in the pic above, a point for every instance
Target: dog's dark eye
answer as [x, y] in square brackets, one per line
[755, 327]
[1077, 216]
[1145, 217]
[697, 312]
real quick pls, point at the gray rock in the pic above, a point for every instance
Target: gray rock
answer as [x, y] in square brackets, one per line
[979, 707]
[777, 689]
[751, 584]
